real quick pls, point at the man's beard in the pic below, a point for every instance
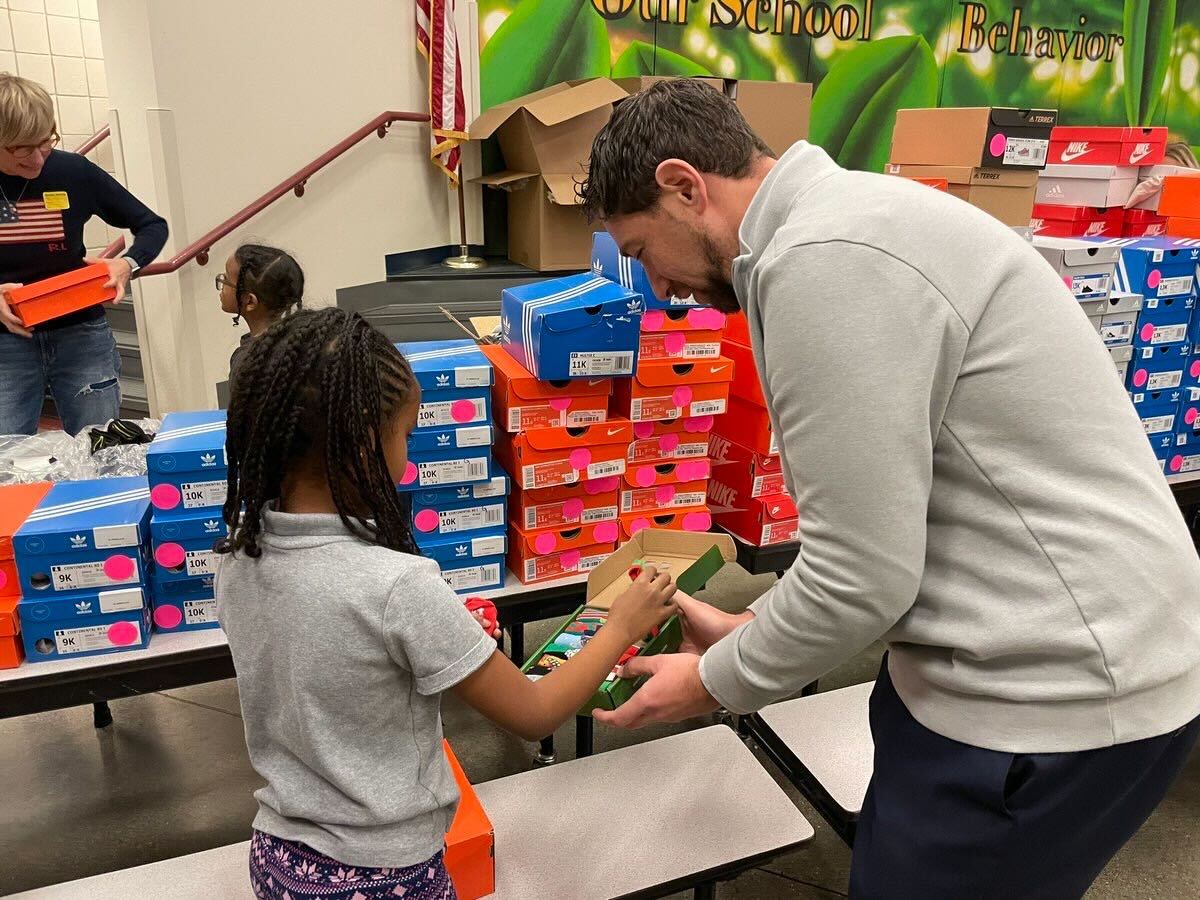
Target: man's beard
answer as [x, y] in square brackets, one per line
[718, 290]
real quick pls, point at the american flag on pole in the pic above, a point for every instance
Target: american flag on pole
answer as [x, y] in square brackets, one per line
[437, 39]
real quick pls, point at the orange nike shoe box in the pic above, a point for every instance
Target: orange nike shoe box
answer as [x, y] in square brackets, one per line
[686, 345]
[52, 298]
[549, 541]
[752, 424]
[670, 439]
[17, 501]
[521, 402]
[531, 568]
[758, 521]
[663, 497]
[547, 457]
[1184, 228]
[696, 519]
[751, 473]
[1180, 198]
[737, 329]
[566, 505]
[695, 318]
[666, 390]
[745, 376]
[470, 842]
[646, 475]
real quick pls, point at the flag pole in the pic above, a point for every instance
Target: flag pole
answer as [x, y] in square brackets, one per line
[464, 260]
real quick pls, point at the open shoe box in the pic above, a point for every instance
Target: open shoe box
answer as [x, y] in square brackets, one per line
[691, 559]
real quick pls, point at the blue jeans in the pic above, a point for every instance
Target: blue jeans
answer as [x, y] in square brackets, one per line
[79, 364]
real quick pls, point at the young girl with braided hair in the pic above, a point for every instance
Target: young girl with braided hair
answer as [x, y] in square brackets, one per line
[344, 640]
[261, 285]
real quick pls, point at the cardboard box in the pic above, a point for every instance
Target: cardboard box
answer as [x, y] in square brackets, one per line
[1183, 460]
[547, 457]
[455, 379]
[533, 569]
[523, 402]
[670, 439]
[1121, 357]
[52, 298]
[751, 474]
[752, 424]
[1005, 194]
[1143, 223]
[653, 475]
[461, 510]
[1150, 334]
[665, 390]
[1117, 329]
[1107, 146]
[1191, 377]
[1077, 221]
[991, 137]
[182, 605]
[1159, 421]
[737, 329]
[679, 345]
[567, 505]
[446, 468]
[84, 624]
[1183, 228]
[546, 138]
[483, 574]
[1087, 269]
[84, 536]
[777, 111]
[580, 326]
[682, 495]
[697, 318]
[12, 651]
[557, 540]
[1073, 185]
[757, 521]
[1158, 368]
[692, 559]
[609, 262]
[468, 562]
[17, 501]
[1156, 268]
[746, 385]
[694, 519]
[1180, 197]
[186, 465]
[183, 547]
[470, 842]
[425, 441]
[1153, 400]
[1153, 200]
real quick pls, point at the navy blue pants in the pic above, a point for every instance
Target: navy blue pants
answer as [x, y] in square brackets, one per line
[943, 819]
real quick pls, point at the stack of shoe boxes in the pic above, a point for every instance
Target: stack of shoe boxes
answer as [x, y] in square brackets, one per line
[565, 341]
[747, 494]
[680, 386]
[17, 501]
[458, 497]
[188, 474]
[81, 559]
[1173, 208]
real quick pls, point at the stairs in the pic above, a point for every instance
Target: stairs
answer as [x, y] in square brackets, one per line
[134, 404]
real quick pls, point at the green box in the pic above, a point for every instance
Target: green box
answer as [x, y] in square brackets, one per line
[691, 559]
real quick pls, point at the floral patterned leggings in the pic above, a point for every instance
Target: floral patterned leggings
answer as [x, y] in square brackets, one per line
[281, 868]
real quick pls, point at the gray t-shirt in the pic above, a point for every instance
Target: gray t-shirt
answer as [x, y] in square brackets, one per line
[342, 650]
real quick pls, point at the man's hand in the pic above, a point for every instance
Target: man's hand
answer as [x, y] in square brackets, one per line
[704, 625]
[120, 270]
[8, 317]
[673, 693]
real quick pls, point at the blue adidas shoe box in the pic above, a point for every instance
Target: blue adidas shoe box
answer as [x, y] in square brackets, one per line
[183, 546]
[85, 536]
[446, 468]
[84, 624]
[186, 605]
[186, 463]
[608, 262]
[580, 326]
[466, 509]
[1159, 423]
[456, 384]
[1159, 368]
[1154, 267]
[464, 437]
[469, 562]
[1153, 400]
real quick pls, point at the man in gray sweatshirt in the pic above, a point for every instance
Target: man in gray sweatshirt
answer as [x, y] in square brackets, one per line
[974, 489]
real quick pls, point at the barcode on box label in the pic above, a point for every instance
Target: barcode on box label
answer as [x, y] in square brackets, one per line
[204, 493]
[468, 519]
[1167, 334]
[200, 562]
[200, 612]
[595, 363]
[707, 408]
[1159, 424]
[1091, 285]
[606, 469]
[452, 471]
[600, 514]
[79, 576]
[1117, 332]
[702, 351]
[474, 576]
[435, 415]
[91, 637]
[681, 500]
[689, 450]
[779, 532]
[1174, 287]
[1190, 463]
[587, 563]
[1026, 152]
[1164, 381]
[579, 418]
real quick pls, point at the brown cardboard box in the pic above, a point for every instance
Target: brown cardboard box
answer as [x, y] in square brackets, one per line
[978, 136]
[546, 138]
[1006, 194]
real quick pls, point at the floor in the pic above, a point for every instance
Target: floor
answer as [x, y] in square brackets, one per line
[171, 776]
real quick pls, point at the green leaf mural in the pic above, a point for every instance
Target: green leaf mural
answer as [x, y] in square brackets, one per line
[542, 43]
[641, 58]
[854, 109]
[1149, 31]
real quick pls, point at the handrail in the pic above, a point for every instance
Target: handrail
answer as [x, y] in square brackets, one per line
[94, 141]
[199, 248]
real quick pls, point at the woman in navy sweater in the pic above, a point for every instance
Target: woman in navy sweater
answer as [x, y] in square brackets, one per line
[46, 196]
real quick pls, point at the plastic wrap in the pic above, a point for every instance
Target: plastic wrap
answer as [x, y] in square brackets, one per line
[56, 456]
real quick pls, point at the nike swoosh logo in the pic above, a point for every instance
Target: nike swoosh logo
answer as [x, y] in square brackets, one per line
[1068, 156]
[715, 369]
[1139, 154]
[613, 431]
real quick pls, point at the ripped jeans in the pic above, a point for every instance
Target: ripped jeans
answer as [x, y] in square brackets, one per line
[79, 364]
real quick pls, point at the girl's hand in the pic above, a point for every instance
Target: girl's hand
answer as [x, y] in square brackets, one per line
[484, 612]
[644, 605]
[489, 627]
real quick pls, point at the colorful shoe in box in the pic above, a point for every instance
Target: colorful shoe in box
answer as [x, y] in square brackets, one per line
[523, 402]
[12, 651]
[565, 505]
[467, 508]
[665, 390]
[456, 383]
[1159, 368]
[696, 519]
[17, 501]
[580, 326]
[669, 439]
[468, 562]
[549, 457]
[1156, 268]
[186, 465]
[85, 536]
[662, 497]
[183, 605]
[752, 474]
[1086, 268]
[1119, 318]
[446, 468]
[182, 547]
[609, 262]
[84, 624]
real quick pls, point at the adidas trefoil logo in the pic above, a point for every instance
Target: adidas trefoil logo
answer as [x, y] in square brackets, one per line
[83, 607]
[460, 550]
[208, 459]
[443, 380]
[634, 305]
[464, 493]
[443, 440]
[597, 267]
[78, 542]
[211, 525]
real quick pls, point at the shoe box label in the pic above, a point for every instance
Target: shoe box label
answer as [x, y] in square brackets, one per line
[199, 494]
[80, 576]
[200, 612]
[87, 638]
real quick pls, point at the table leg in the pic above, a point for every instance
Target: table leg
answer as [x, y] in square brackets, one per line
[584, 736]
[546, 755]
[516, 635]
[809, 689]
[101, 715]
[706, 891]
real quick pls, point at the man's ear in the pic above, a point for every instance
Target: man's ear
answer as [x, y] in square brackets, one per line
[681, 181]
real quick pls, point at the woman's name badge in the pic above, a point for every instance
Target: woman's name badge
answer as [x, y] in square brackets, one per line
[56, 200]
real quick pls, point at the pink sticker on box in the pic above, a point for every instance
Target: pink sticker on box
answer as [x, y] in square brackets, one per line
[580, 459]
[653, 319]
[122, 634]
[462, 411]
[1196, 369]
[697, 521]
[572, 509]
[706, 319]
[1190, 415]
[410, 473]
[1176, 463]
[165, 496]
[1139, 377]
[605, 532]
[668, 442]
[1154, 279]
[693, 471]
[698, 425]
[998, 145]
[168, 616]
[560, 403]
[643, 430]
[682, 395]
[601, 485]
[545, 542]
[1147, 332]
[675, 342]
[570, 559]
[119, 568]
[638, 524]
[170, 556]
[426, 521]
[665, 494]
[645, 476]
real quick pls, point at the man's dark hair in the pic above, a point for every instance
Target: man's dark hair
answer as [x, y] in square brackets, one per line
[680, 119]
